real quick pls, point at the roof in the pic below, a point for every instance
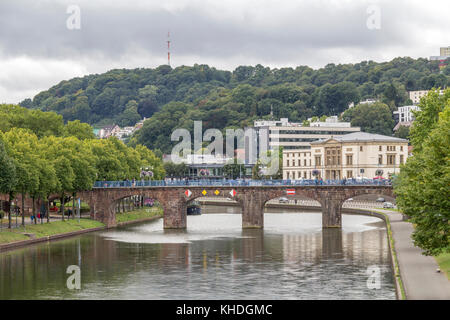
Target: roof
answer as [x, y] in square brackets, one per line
[362, 137]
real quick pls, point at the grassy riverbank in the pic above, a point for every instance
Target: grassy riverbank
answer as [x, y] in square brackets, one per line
[444, 263]
[139, 214]
[47, 229]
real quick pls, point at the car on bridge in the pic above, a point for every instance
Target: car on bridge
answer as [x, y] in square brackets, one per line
[283, 200]
[388, 205]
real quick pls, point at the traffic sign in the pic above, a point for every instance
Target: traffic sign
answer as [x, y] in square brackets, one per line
[217, 192]
[188, 193]
[204, 192]
[290, 191]
[233, 192]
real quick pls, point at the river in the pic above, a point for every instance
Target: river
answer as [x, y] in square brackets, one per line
[292, 258]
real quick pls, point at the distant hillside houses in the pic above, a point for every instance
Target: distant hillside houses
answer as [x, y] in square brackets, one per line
[118, 132]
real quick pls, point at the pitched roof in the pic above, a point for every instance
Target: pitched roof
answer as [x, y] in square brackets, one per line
[361, 137]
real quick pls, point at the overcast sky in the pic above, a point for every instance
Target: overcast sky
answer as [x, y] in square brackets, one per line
[38, 49]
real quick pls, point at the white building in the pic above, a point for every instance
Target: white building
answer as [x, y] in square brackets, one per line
[357, 154]
[294, 136]
[108, 131]
[405, 114]
[367, 101]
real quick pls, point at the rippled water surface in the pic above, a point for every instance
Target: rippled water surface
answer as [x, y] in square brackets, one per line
[292, 258]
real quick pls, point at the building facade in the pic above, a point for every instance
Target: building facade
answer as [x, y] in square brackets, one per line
[295, 136]
[415, 96]
[353, 155]
[405, 114]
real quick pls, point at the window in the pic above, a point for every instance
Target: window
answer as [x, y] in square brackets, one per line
[401, 148]
[287, 163]
[401, 159]
[380, 148]
[380, 159]
[349, 174]
[299, 163]
[391, 159]
[360, 148]
[318, 160]
[304, 162]
[349, 159]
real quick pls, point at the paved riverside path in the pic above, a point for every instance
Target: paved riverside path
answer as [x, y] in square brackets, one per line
[418, 272]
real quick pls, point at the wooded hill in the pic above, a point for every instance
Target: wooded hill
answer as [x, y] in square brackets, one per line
[174, 98]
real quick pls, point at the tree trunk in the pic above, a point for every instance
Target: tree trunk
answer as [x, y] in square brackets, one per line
[48, 210]
[9, 211]
[73, 205]
[23, 209]
[34, 211]
[62, 207]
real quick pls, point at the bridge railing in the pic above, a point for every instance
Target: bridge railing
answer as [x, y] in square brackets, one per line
[232, 183]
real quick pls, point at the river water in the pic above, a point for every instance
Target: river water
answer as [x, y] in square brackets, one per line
[292, 258]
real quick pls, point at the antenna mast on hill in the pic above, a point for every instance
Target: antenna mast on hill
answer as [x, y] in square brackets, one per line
[168, 48]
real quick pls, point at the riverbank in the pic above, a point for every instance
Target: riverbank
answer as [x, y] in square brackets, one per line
[444, 263]
[418, 273]
[31, 234]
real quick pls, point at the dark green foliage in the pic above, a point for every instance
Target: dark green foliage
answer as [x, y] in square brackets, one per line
[372, 118]
[8, 176]
[422, 187]
[231, 99]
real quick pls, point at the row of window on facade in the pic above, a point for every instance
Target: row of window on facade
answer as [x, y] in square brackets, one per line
[336, 160]
[338, 149]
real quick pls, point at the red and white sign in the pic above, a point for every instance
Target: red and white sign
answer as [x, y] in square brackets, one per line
[188, 193]
[233, 192]
[290, 191]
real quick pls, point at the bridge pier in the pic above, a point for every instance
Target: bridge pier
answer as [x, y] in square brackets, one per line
[174, 213]
[331, 203]
[253, 210]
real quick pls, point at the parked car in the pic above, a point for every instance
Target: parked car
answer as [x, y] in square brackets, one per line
[388, 205]
[283, 200]
[380, 200]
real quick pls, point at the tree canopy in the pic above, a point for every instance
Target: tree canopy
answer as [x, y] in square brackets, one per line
[422, 187]
[63, 158]
[174, 97]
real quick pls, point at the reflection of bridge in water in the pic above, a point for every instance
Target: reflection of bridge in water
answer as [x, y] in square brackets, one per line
[251, 196]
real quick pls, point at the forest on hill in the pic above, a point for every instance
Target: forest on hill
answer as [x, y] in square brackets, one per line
[175, 97]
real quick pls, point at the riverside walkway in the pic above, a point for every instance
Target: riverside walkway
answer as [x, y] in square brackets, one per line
[420, 279]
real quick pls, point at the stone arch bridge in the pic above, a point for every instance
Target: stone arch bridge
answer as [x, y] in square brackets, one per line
[252, 199]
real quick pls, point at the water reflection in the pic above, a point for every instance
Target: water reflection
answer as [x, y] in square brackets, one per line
[292, 258]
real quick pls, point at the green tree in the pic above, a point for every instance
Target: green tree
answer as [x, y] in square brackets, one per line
[78, 129]
[422, 188]
[149, 160]
[372, 118]
[234, 169]
[402, 132]
[8, 178]
[22, 147]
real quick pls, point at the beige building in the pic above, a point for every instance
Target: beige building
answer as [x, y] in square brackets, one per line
[353, 155]
[445, 51]
[415, 96]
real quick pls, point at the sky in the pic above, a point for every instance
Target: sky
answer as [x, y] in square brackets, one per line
[43, 42]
